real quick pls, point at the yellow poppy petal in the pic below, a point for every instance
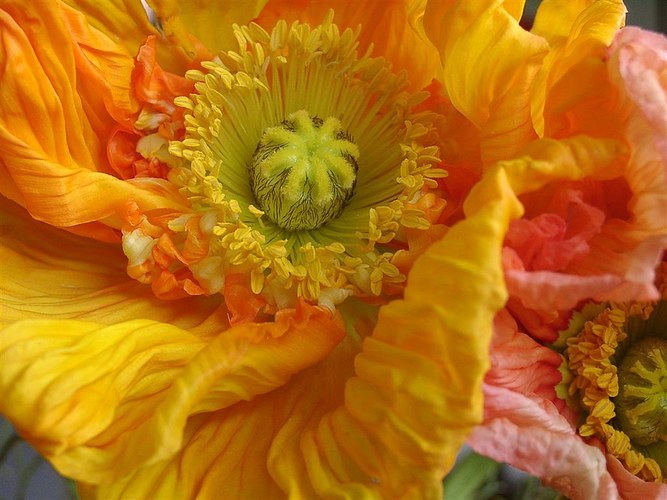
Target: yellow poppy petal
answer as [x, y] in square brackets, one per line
[577, 54]
[393, 27]
[76, 390]
[489, 65]
[385, 422]
[578, 157]
[103, 401]
[49, 273]
[555, 19]
[209, 21]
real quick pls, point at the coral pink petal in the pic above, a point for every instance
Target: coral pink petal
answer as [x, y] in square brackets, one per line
[546, 290]
[630, 486]
[534, 437]
[641, 65]
[521, 364]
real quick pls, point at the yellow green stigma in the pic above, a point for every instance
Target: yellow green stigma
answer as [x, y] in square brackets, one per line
[303, 171]
[641, 405]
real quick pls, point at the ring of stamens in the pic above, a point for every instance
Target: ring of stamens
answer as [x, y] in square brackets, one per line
[618, 364]
[346, 238]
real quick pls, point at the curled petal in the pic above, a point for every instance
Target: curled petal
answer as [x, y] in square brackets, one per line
[385, 422]
[532, 435]
[75, 389]
[639, 67]
[134, 384]
[489, 66]
[618, 258]
[521, 364]
[52, 128]
[630, 486]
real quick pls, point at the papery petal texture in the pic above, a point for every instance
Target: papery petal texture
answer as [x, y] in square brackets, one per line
[532, 435]
[134, 384]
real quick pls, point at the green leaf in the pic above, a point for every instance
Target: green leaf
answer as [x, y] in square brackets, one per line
[474, 477]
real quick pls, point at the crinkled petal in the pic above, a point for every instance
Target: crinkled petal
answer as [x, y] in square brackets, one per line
[51, 274]
[393, 27]
[102, 401]
[531, 435]
[124, 21]
[559, 102]
[82, 393]
[630, 486]
[521, 364]
[489, 66]
[399, 428]
[53, 161]
[639, 68]
[554, 18]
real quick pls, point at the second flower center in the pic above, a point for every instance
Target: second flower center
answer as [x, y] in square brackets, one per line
[641, 405]
[303, 171]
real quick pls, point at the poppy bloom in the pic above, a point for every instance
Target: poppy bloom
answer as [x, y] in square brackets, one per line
[228, 261]
[575, 394]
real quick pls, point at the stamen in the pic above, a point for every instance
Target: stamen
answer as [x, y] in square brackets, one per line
[297, 205]
[619, 363]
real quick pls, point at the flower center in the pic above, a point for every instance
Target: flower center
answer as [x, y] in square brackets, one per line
[303, 171]
[641, 405]
[619, 365]
[283, 205]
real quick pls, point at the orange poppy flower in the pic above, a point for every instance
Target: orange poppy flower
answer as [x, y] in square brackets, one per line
[229, 267]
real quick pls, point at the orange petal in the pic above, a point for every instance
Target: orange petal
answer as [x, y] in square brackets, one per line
[489, 66]
[128, 23]
[53, 158]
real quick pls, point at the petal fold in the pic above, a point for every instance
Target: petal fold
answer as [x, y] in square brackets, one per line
[619, 254]
[394, 28]
[106, 401]
[382, 418]
[534, 437]
[489, 63]
[81, 393]
[399, 428]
